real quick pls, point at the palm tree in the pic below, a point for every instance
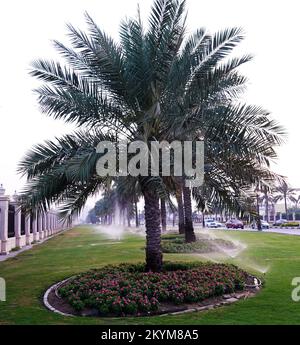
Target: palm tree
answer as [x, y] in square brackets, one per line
[136, 212]
[92, 217]
[163, 214]
[266, 199]
[297, 201]
[178, 194]
[153, 85]
[105, 207]
[129, 192]
[188, 219]
[285, 193]
[240, 139]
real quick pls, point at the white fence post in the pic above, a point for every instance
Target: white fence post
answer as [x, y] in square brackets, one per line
[27, 229]
[34, 228]
[17, 224]
[17, 217]
[46, 234]
[40, 227]
[2, 290]
[49, 223]
[4, 202]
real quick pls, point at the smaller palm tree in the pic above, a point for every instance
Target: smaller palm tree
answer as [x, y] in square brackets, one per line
[285, 193]
[297, 201]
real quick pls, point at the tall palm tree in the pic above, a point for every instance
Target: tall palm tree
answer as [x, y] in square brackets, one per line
[285, 193]
[153, 85]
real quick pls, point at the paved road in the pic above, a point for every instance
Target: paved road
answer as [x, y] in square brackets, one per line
[296, 232]
[276, 230]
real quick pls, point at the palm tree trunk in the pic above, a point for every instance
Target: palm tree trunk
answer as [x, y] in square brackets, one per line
[163, 214]
[258, 221]
[267, 205]
[153, 232]
[180, 210]
[285, 206]
[123, 216]
[188, 221]
[128, 218]
[136, 212]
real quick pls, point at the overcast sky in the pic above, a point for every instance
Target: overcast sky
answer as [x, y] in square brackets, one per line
[27, 28]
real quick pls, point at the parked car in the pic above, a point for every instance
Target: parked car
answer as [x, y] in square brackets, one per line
[234, 224]
[215, 224]
[208, 221]
[264, 225]
[280, 222]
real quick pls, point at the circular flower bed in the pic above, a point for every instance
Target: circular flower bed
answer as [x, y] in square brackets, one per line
[176, 244]
[129, 290]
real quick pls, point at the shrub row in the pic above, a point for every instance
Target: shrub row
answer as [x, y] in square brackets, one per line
[290, 224]
[176, 244]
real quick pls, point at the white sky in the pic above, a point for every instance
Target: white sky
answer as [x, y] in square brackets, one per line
[27, 28]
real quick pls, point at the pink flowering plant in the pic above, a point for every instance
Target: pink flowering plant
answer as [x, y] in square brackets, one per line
[129, 290]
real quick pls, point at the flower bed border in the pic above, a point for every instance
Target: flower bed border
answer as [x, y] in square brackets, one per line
[226, 299]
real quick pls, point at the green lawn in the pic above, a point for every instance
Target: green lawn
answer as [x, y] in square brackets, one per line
[30, 273]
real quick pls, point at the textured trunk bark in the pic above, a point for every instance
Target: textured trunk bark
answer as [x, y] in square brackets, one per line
[128, 219]
[188, 226]
[259, 228]
[267, 205]
[136, 212]
[203, 219]
[153, 232]
[180, 210]
[286, 208]
[163, 214]
[123, 217]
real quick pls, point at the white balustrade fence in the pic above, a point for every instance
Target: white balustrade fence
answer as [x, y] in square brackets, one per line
[18, 230]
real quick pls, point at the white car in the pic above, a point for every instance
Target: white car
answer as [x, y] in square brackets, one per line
[207, 222]
[264, 225]
[215, 224]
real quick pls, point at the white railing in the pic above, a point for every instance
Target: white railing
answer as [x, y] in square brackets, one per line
[18, 230]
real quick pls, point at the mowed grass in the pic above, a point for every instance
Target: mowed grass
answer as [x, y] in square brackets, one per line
[29, 274]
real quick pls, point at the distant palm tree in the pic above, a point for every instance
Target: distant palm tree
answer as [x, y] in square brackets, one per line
[266, 197]
[285, 193]
[105, 207]
[297, 201]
